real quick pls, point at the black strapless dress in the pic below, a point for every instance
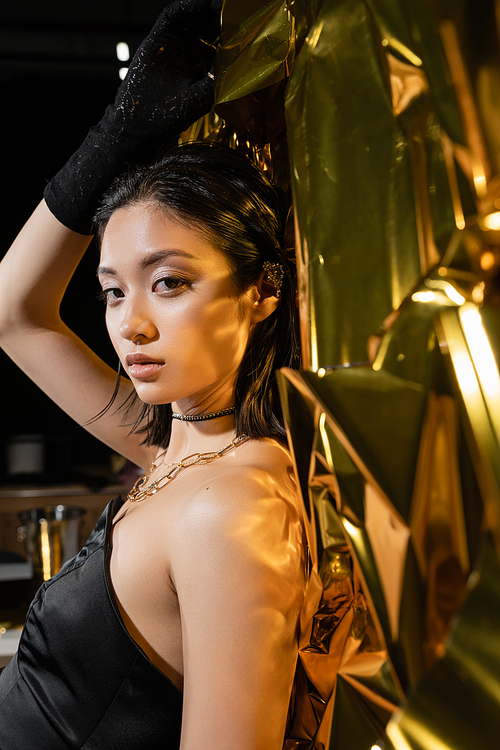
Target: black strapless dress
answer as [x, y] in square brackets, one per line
[78, 679]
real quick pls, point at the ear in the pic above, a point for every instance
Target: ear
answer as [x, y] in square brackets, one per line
[264, 298]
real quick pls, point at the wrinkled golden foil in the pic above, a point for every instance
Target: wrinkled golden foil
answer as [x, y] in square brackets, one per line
[382, 118]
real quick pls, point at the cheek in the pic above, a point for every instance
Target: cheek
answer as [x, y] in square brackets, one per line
[213, 341]
[226, 330]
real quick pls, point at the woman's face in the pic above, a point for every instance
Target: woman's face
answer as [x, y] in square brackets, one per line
[173, 315]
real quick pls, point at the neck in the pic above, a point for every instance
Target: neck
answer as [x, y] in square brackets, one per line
[200, 437]
[205, 416]
[206, 435]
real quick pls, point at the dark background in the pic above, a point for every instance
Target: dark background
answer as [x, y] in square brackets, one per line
[58, 71]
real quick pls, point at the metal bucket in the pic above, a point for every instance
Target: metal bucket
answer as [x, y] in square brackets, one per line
[51, 535]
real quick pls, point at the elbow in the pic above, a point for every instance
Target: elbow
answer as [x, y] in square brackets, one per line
[22, 313]
[10, 309]
[11, 314]
[6, 322]
[9, 328]
[14, 321]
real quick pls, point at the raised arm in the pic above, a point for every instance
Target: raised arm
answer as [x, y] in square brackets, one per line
[33, 277]
[167, 88]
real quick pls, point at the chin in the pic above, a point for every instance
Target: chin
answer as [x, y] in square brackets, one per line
[151, 399]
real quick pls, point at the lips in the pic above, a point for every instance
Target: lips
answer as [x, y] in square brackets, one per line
[141, 366]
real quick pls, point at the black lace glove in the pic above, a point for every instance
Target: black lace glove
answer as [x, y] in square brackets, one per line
[168, 87]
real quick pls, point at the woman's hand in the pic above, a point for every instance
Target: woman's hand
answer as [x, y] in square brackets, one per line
[168, 85]
[167, 88]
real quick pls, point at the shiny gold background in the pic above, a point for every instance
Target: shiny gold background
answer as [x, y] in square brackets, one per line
[382, 120]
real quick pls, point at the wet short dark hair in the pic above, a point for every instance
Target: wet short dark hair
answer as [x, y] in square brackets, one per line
[230, 202]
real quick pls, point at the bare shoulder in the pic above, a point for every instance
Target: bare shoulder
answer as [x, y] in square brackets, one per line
[246, 502]
[258, 474]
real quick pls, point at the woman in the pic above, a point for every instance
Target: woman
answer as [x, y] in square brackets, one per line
[176, 624]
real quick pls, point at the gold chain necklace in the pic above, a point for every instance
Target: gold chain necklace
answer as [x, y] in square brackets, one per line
[140, 491]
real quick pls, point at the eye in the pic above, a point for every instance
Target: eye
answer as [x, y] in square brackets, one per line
[109, 296]
[169, 284]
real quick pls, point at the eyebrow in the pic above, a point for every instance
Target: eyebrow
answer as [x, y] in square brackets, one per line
[149, 260]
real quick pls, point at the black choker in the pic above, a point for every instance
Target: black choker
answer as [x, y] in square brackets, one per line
[202, 417]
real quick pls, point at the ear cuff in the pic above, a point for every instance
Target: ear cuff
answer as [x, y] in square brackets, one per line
[274, 273]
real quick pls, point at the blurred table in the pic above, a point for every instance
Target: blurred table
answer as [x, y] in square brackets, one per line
[16, 595]
[14, 499]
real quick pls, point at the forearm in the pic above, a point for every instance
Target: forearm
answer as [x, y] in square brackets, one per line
[35, 273]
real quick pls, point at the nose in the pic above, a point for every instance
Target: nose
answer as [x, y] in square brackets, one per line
[136, 324]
